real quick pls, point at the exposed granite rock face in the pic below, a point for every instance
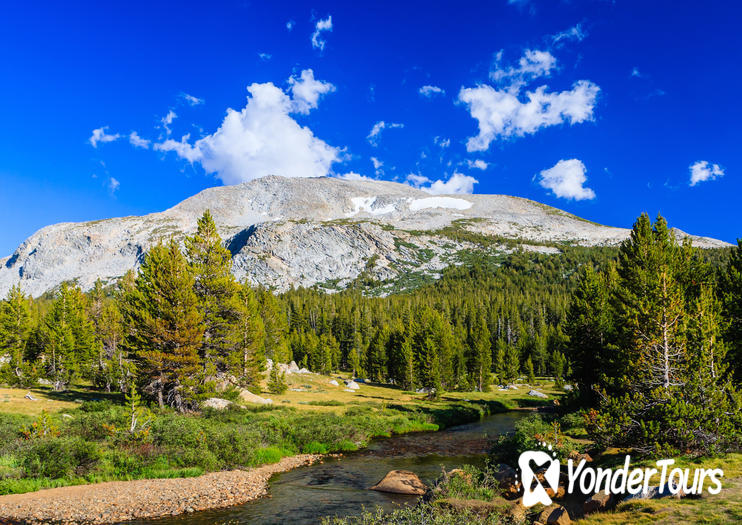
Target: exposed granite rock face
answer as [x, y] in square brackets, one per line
[287, 232]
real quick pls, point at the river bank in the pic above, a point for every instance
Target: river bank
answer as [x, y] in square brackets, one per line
[118, 501]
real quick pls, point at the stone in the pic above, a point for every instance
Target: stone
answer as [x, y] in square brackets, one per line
[216, 403]
[536, 393]
[401, 482]
[597, 503]
[352, 385]
[334, 383]
[555, 515]
[507, 479]
[293, 367]
[248, 397]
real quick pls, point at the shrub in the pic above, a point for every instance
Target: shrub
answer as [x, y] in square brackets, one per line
[60, 458]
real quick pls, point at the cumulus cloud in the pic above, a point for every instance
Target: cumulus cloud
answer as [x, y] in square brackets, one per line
[306, 91]
[566, 180]
[290, 25]
[378, 165]
[502, 114]
[265, 56]
[576, 33]
[429, 91]
[100, 135]
[533, 64]
[636, 73]
[375, 134]
[191, 100]
[137, 141]
[477, 164]
[457, 183]
[261, 139]
[703, 170]
[318, 42]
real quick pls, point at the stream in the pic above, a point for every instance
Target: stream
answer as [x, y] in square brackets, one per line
[339, 486]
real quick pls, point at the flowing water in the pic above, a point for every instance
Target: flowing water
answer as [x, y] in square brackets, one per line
[339, 486]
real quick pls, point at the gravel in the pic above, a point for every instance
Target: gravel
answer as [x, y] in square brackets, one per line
[117, 501]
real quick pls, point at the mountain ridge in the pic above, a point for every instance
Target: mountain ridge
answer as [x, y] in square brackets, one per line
[287, 232]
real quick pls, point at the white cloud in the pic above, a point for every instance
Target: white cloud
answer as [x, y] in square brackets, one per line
[375, 133]
[290, 25]
[378, 165]
[477, 164]
[99, 135]
[306, 91]
[457, 183]
[430, 91]
[137, 141]
[440, 141]
[261, 139]
[636, 73]
[703, 170]
[322, 25]
[190, 99]
[265, 56]
[576, 33]
[566, 180]
[167, 120]
[501, 114]
[352, 175]
[113, 185]
[533, 64]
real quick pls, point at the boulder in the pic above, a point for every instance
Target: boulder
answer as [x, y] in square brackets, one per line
[650, 493]
[511, 387]
[401, 482]
[293, 367]
[303, 371]
[536, 393]
[507, 478]
[597, 503]
[555, 515]
[248, 397]
[352, 385]
[217, 403]
[334, 383]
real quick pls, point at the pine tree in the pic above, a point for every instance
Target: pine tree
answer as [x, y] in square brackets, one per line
[67, 337]
[589, 329]
[277, 381]
[731, 293]
[247, 358]
[530, 373]
[512, 363]
[376, 356]
[481, 354]
[216, 289]
[164, 327]
[15, 330]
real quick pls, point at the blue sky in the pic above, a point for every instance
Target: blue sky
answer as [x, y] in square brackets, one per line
[605, 109]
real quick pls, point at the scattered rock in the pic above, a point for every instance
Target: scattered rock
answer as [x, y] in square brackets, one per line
[293, 367]
[348, 390]
[249, 397]
[334, 383]
[303, 371]
[401, 482]
[511, 387]
[597, 503]
[352, 385]
[536, 393]
[217, 403]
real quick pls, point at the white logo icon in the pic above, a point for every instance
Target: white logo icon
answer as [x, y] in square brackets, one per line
[537, 494]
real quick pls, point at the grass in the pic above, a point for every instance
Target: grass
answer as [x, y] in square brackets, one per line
[723, 508]
[86, 438]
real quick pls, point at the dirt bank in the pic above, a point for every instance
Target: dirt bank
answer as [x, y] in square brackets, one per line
[117, 501]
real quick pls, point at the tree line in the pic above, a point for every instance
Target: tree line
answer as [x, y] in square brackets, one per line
[182, 322]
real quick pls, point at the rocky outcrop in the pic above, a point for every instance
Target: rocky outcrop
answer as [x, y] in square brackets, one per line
[303, 232]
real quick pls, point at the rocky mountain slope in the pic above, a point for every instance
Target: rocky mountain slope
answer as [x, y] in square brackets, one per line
[302, 232]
